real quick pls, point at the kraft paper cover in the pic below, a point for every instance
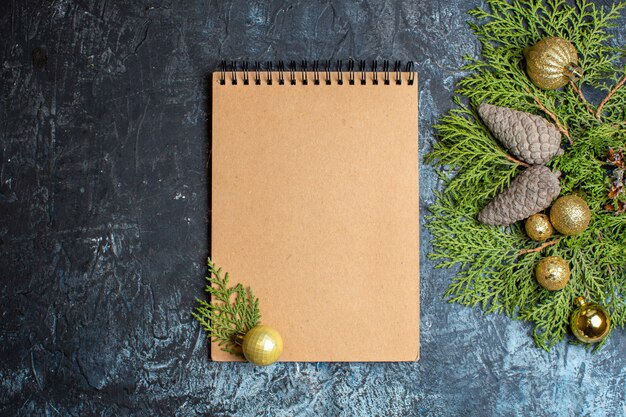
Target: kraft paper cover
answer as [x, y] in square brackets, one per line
[315, 206]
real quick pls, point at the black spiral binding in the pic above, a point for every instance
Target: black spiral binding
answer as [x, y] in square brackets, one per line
[305, 80]
[398, 70]
[375, 72]
[363, 76]
[386, 71]
[351, 72]
[316, 72]
[257, 71]
[281, 73]
[246, 81]
[269, 73]
[233, 68]
[292, 73]
[223, 73]
[328, 72]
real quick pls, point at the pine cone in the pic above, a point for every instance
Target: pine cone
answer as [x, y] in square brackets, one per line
[530, 192]
[527, 136]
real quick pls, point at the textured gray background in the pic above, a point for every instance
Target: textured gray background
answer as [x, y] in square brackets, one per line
[103, 227]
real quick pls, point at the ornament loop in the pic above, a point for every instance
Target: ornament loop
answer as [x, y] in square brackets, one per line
[580, 301]
[573, 71]
[238, 338]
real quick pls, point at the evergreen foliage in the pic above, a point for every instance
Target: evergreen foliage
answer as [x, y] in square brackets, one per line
[230, 313]
[495, 265]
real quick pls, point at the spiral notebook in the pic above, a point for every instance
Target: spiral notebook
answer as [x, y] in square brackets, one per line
[315, 206]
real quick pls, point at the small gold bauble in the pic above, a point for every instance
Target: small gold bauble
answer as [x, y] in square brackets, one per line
[570, 215]
[552, 273]
[538, 227]
[262, 345]
[590, 323]
[552, 62]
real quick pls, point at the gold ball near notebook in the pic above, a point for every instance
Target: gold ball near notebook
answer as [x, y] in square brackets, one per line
[538, 227]
[552, 273]
[590, 323]
[262, 345]
[570, 215]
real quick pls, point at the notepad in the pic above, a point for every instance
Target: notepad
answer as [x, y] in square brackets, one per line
[315, 206]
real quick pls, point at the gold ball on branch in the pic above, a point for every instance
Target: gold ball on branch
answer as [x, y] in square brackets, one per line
[552, 273]
[538, 227]
[570, 215]
[590, 323]
[552, 62]
[262, 345]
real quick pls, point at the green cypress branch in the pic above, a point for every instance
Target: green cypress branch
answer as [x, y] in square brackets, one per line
[231, 312]
[495, 266]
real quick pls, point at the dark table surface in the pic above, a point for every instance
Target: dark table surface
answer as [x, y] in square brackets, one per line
[103, 227]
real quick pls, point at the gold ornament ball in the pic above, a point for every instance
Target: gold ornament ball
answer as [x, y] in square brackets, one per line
[262, 345]
[552, 273]
[590, 323]
[552, 62]
[570, 215]
[538, 227]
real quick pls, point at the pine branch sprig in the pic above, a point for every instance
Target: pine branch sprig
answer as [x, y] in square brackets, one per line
[494, 266]
[231, 312]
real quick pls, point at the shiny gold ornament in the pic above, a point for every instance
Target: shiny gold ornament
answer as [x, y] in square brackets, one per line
[590, 323]
[570, 215]
[262, 345]
[552, 273]
[552, 62]
[538, 227]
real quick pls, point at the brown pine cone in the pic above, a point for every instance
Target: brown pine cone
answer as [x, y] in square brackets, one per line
[530, 192]
[527, 136]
